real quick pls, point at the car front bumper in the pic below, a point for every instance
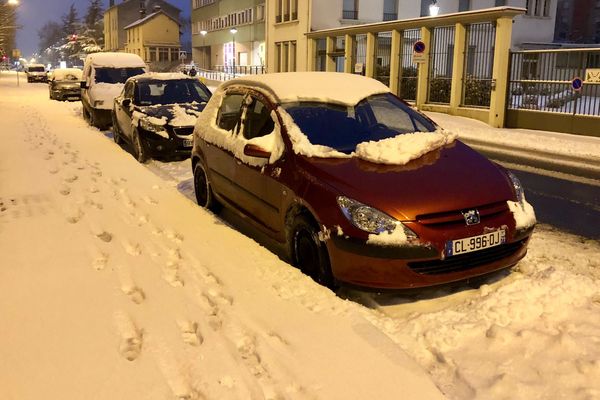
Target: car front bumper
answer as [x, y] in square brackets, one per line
[364, 265]
[70, 94]
[163, 148]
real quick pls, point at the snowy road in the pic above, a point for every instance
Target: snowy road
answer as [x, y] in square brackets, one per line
[113, 283]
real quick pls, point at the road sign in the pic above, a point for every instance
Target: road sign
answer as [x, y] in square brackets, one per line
[419, 55]
[592, 75]
[16, 53]
[576, 84]
[182, 55]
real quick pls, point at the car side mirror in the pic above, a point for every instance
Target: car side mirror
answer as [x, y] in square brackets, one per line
[83, 84]
[253, 150]
[126, 102]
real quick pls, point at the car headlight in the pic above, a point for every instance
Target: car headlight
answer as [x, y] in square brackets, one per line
[152, 127]
[370, 219]
[517, 186]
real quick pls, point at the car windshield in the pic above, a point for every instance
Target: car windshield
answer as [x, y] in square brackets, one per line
[36, 69]
[344, 127]
[170, 92]
[116, 75]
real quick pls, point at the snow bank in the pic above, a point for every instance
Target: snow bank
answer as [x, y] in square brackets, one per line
[403, 148]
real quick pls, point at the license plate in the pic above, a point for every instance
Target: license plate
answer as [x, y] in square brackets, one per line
[187, 143]
[474, 243]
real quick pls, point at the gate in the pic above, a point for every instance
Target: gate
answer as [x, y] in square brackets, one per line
[541, 92]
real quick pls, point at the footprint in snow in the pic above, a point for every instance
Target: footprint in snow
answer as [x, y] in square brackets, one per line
[171, 274]
[71, 178]
[100, 260]
[130, 345]
[190, 333]
[100, 233]
[64, 190]
[73, 214]
[133, 249]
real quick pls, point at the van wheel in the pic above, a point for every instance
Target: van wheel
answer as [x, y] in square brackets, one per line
[139, 150]
[203, 189]
[309, 253]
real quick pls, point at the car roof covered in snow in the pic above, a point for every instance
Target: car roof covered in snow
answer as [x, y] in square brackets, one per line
[62, 73]
[115, 60]
[161, 76]
[325, 87]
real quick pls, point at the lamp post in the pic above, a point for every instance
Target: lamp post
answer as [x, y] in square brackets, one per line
[233, 32]
[203, 33]
[434, 9]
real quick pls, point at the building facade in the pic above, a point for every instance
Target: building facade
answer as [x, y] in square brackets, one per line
[121, 14]
[578, 21]
[228, 33]
[155, 38]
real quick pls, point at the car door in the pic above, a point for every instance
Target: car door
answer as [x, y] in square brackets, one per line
[217, 148]
[260, 192]
[124, 112]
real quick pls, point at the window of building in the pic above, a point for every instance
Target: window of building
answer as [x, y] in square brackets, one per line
[500, 3]
[285, 10]
[202, 3]
[152, 53]
[350, 9]
[390, 11]
[538, 8]
[285, 56]
[163, 54]
[464, 5]
[425, 7]
[174, 54]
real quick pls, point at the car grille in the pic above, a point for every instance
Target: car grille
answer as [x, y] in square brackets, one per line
[467, 261]
[184, 132]
[451, 217]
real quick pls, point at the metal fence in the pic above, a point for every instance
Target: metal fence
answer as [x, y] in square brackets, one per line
[479, 62]
[407, 82]
[440, 64]
[542, 80]
[383, 52]
[241, 69]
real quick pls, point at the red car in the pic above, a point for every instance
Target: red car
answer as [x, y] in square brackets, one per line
[364, 190]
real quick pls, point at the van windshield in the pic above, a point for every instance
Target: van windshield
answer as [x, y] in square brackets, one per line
[116, 75]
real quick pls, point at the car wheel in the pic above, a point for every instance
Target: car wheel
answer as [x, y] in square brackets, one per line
[203, 189]
[139, 151]
[116, 131]
[308, 252]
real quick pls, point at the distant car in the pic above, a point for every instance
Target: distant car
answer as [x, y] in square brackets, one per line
[36, 73]
[156, 113]
[104, 75]
[65, 84]
[363, 189]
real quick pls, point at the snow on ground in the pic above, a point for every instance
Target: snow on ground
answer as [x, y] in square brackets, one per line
[113, 284]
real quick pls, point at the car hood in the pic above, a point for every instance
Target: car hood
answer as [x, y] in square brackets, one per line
[454, 177]
[175, 114]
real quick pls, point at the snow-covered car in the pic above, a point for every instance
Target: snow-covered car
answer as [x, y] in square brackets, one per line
[65, 84]
[36, 73]
[156, 113]
[104, 75]
[363, 189]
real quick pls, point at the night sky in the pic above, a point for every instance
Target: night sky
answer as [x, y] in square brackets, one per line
[33, 14]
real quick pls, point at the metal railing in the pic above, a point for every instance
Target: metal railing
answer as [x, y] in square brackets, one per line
[241, 69]
[542, 80]
[350, 14]
[479, 62]
[390, 16]
[407, 79]
[441, 61]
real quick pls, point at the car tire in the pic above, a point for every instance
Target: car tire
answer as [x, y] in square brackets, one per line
[309, 253]
[203, 189]
[116, 130]
[139, 150]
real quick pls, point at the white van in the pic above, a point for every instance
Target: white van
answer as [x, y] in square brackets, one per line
[36, 73]
[104, 75]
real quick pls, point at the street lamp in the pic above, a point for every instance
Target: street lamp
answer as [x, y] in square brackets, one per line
[13, 2]
[233, 32]
[203, 33]
[434, 9]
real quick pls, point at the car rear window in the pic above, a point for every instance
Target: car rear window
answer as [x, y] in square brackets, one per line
[116, 75]
[342, 128]
[36, 69]
[171, 92]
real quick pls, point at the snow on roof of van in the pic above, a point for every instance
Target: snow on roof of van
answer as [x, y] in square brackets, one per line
[327, 87]
[115, 60]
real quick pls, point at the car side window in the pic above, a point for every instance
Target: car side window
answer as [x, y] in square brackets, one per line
[128, 93]
[258, 121]
[230, 111]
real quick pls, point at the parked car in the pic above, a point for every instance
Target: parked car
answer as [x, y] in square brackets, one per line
[363, 189]
[104, 75]
[65, 84]
[156, 113]
[36, 73]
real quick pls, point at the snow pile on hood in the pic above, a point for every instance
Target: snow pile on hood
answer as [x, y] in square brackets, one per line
[523, 213]
[229, 140]
[181, 117]
[394, 238]
[403, 148]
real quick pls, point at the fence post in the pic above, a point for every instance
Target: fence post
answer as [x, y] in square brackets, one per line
[395, 64]
[370, 57]
[330, 61]
[458, 65]
[423, 73]
[500, 72]
[350, 43]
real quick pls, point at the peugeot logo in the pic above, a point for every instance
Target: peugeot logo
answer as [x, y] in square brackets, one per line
[471, 217]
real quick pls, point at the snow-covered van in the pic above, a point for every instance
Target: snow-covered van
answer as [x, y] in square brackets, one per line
[104, 75]
[36, 73]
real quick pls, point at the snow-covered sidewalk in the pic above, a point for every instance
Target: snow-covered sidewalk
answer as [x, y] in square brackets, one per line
[114, 285]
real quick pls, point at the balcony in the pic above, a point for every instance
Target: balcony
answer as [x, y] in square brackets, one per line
[390, 16]
[350, 14]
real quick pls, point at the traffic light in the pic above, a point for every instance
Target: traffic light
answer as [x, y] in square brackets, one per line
[73, 37]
